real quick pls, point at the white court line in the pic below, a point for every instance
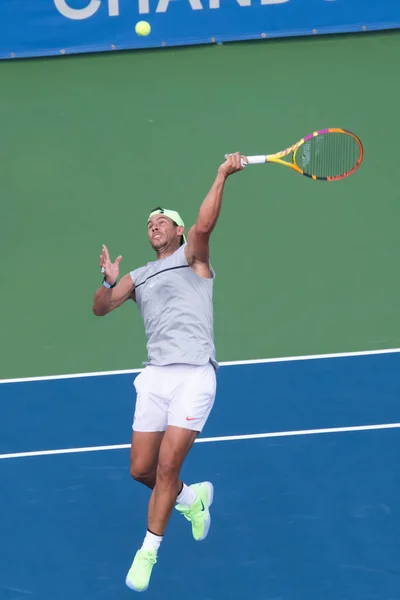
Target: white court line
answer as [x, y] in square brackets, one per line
[226, 438]
[233, 363]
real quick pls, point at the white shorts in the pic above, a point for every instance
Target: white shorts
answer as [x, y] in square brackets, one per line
[180, 395]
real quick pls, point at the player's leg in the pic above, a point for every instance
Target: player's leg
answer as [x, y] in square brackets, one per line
[173, 451]
[149, 425]
[191, 409]
[174, 447]
[154, 387]
[145, 448]
[188, 412]
[193, 392]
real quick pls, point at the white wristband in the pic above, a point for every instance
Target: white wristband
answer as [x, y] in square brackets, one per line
[108, 285]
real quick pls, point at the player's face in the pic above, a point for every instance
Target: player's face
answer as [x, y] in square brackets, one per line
[161, 231]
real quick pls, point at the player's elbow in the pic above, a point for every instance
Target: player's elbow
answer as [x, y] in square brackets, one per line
[204, 228]
[98, 311]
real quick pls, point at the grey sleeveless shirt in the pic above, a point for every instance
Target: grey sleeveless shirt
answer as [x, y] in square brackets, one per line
[177, 309]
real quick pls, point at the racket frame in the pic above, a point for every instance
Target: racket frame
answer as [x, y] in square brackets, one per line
[278, 156]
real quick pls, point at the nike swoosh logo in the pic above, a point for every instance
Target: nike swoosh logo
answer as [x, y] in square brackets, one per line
[202, 506]
[190, 418]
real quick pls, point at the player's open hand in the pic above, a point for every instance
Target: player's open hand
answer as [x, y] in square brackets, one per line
[110, 270]
[233, 163]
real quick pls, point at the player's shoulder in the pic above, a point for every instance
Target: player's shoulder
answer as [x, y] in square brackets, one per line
[140, 273]
[178, 258]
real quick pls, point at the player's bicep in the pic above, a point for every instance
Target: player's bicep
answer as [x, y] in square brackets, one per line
[124, 290]
[197, 249]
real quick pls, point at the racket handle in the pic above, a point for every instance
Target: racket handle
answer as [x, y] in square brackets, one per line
[253, 160]
[256, 160]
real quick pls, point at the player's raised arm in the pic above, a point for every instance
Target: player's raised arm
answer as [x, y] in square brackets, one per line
[111, 294]
[197, 249]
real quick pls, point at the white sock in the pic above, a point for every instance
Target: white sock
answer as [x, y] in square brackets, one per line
[187, 496]
[151, 541]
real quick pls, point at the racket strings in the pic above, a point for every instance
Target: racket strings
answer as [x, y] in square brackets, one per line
[329, 155]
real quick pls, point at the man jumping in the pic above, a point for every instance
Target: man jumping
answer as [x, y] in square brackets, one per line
[175, 392]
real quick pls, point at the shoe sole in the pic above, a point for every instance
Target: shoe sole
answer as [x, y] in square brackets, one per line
[132, 587]
[208, 517]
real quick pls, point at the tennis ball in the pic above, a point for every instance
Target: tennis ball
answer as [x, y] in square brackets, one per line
[142, 28]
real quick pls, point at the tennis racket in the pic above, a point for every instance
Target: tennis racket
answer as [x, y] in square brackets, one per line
[325, 155]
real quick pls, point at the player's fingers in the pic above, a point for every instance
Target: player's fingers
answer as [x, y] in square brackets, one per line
[231, 160]
[236, 161]
[105, 252]
[243, 161]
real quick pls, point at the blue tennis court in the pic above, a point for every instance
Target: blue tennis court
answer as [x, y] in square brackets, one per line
[303, 454]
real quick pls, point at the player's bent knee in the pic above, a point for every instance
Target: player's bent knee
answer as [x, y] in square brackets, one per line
[145, 476]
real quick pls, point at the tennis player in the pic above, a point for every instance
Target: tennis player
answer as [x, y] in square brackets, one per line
[175, 391]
